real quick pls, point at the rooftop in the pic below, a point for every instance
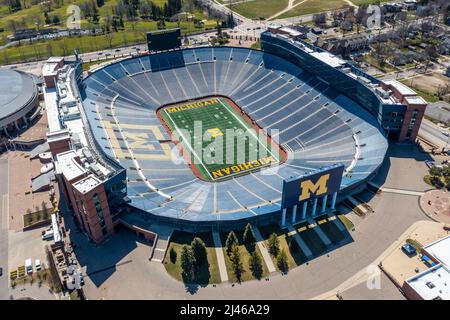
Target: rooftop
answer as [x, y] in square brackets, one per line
[440, 249]
[68, 165]
[400, 87]
[432, 284]
[329, 58]
[87, 184]
[50, 98]
[415, 100]
[16, 90]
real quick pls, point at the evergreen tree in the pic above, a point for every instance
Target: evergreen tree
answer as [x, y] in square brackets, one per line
[187, 263]
[249, 236]
[255, 264]
[230, 242]
[274, 245]
[282, 262]
[238, 267]
[199, 251]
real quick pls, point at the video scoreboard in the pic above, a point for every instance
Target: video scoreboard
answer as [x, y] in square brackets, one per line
[166, 39]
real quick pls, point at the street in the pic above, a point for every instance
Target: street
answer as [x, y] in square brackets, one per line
[4, 229]
[434, 133]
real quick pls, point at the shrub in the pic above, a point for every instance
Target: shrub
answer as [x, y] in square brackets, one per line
[274, 245]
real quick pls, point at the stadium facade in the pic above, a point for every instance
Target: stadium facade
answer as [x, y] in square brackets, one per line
[19, 101]
[119, 164]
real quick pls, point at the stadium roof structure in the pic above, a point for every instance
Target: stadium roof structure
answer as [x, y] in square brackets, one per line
[317, 127]
[17, 90]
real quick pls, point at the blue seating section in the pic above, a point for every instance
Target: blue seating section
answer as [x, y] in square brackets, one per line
[316, 125]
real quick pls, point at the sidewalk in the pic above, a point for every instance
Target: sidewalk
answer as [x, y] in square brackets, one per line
[220, 257]
[265, 254]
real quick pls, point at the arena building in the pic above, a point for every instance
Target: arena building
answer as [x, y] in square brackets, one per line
[19, 102]
[126, 148]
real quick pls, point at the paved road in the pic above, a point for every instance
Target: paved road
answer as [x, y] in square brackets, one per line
[432, 132]
[3, 229]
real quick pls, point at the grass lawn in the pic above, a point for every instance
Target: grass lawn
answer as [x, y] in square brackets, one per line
[311, 239]
[208, 274]
[428, 96]
[260, 8]
[346, 221]
[374, 63]
[218, 119]
[245, 255]
[294, 257]
[313, 6]
[134, 32]
[35, 217]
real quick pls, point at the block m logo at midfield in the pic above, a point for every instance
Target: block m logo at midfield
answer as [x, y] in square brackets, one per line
[308, 187]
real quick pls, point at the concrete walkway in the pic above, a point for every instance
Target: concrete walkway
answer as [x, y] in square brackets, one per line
[303, 246]
[220, 257]
[265, 254]
[398, 191]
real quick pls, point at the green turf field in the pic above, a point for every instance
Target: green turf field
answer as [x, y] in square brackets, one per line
[217, 140]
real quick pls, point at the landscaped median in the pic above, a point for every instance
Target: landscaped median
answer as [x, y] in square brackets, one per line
[286, 242]
[245, 252]
[208, 272]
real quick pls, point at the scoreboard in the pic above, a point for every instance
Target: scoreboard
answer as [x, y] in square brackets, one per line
[164, 39]
[323, 182]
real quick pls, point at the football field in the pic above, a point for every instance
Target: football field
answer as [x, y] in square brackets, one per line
[217, 140]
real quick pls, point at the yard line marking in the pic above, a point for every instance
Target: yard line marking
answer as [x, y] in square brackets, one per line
[188, 144]
[246, 126]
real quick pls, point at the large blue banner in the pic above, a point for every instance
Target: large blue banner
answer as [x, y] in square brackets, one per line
[317, 184]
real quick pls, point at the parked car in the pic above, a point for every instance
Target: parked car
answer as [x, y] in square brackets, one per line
[1, 271]
[28, 266]
[48, 235]
[409, 249]
[37, 265]
[429, 163]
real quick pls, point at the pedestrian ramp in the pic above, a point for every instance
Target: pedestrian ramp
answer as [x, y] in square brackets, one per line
[264, 252]
[160, 247]
[303, 246]
[326, 241]
[220, 257]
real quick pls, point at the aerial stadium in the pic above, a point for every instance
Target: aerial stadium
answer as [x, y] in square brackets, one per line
[314, 126]
[19, 104]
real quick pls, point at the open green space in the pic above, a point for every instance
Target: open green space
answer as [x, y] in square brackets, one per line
[313, 6]
[346, 221]
[133, 31]
[260, 8]
[215, 154]
[35, 217]
[245, 255]
[208, 274]
[295, 256]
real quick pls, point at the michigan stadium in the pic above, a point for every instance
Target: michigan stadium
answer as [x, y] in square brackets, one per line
[210, 135]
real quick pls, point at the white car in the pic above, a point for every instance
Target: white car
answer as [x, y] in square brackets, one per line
[445, 133]
[37, 265]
